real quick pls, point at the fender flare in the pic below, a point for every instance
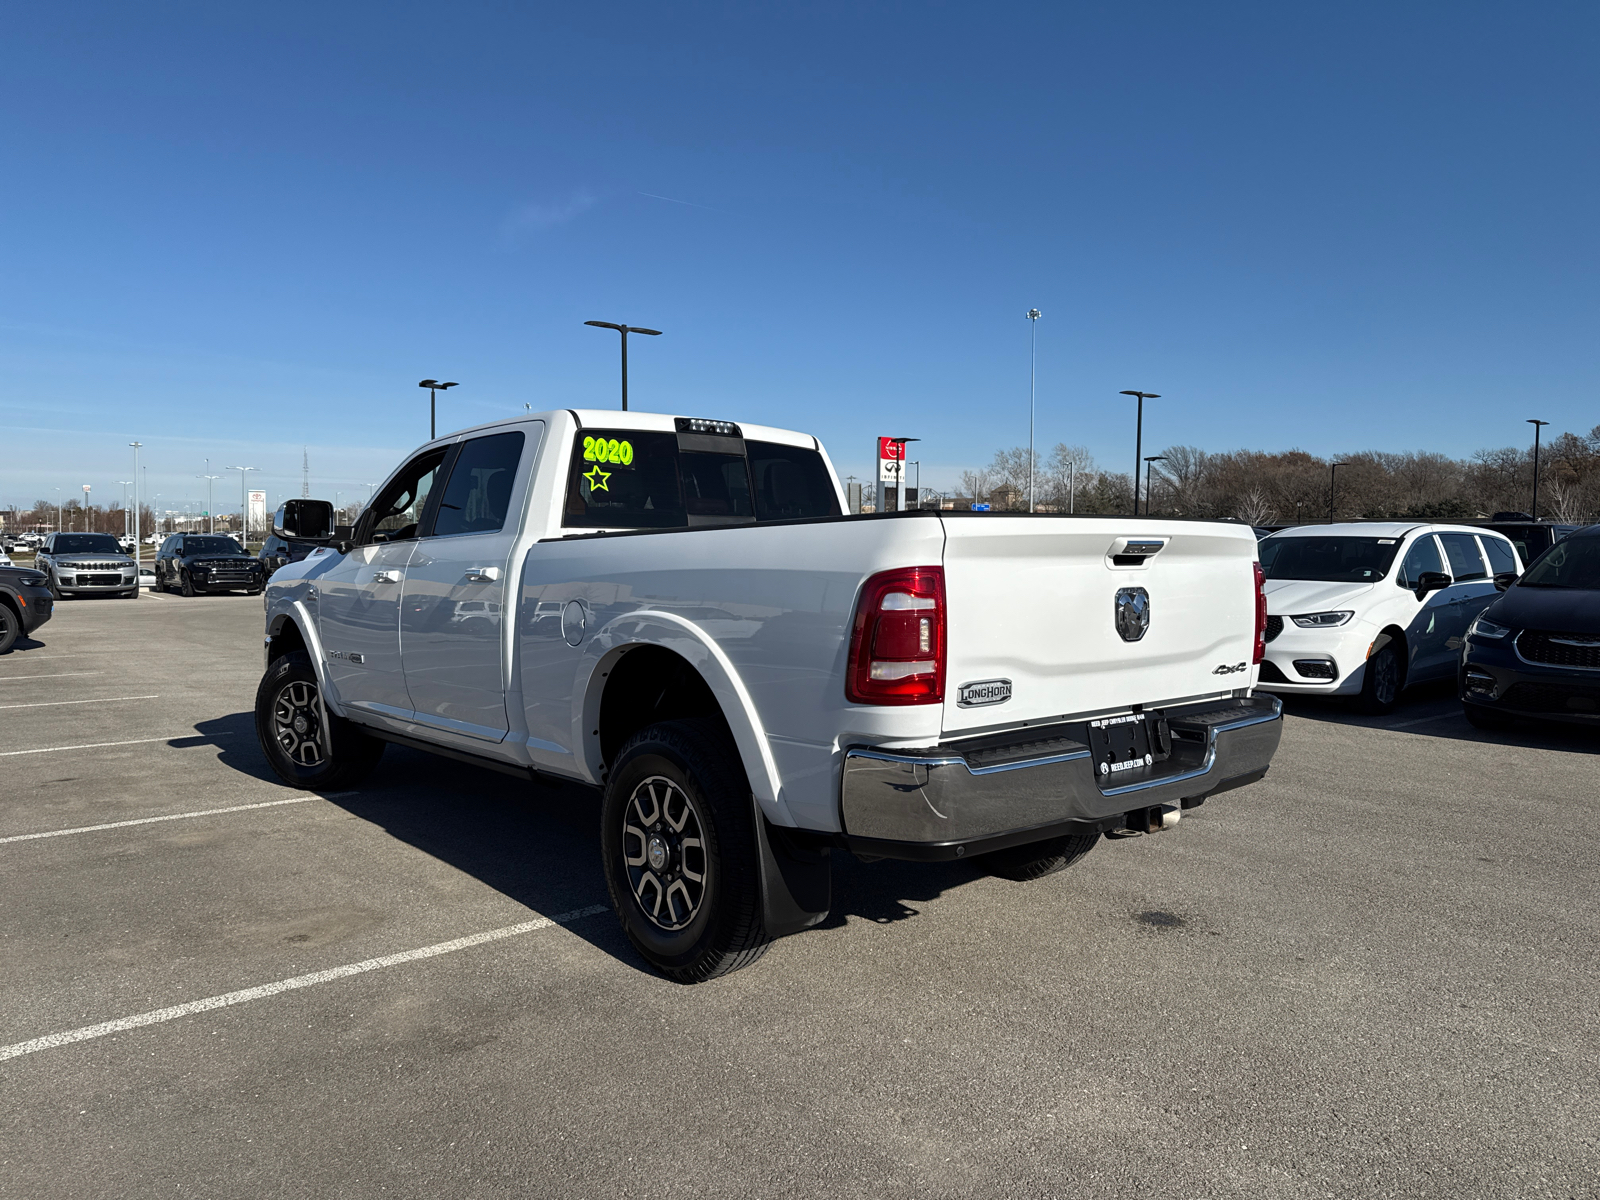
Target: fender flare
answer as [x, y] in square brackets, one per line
[295, 613]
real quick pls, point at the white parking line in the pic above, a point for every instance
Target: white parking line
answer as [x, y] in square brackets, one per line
[102, 700]
[183, 816]
[1419, 721]
[176, 737]
[244, 996]
[58, 675]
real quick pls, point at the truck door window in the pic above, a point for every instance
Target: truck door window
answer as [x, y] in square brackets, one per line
[478, 494]
[790, 482]
[1465, 561]
[1423, 556]
[394, 515]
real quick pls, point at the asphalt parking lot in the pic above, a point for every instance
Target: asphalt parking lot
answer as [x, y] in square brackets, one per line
[1374, 974]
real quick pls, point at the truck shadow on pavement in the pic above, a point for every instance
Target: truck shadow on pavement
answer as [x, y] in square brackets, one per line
[540, 844]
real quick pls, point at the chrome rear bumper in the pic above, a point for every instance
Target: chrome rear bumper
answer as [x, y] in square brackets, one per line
[946, 802]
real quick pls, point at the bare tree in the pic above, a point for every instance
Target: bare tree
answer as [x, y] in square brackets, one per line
[1253, 508]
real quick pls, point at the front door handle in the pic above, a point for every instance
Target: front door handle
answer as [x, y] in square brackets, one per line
[482, 574]
[386, 577]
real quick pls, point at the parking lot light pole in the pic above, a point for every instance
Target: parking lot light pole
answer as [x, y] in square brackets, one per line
[1333, 478]
[1537, 425]
[1138, 442]
[434, 388]
[124, 483]
[1033, 315]
[624, 330]
[211, 517]
[244, 500]
[1148, 466]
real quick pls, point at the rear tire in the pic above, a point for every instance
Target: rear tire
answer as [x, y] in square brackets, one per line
[1380, 687]
[678, 846]
[10, 628]
[1480, 717]
[1038, 859]
[288, 726]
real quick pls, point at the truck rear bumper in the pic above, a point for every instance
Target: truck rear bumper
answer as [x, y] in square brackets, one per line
[944, 803]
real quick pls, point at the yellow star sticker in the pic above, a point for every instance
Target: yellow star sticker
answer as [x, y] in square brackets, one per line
[598, 485]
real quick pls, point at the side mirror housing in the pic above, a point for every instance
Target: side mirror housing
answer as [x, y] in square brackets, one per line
[1505, 579]
[304, 521]
[1432, 581]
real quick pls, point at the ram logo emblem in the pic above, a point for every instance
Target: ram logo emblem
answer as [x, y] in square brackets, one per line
[1132, 613]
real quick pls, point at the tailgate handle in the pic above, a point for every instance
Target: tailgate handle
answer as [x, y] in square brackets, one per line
[1135, 551]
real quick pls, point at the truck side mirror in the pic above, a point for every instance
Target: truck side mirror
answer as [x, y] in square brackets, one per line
[304, 521]
[1432, 581]
[1505, 579]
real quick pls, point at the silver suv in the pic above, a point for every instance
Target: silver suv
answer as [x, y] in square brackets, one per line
[87, 564]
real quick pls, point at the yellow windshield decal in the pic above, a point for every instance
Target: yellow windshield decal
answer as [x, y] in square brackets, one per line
[607, 450]
[597, 479]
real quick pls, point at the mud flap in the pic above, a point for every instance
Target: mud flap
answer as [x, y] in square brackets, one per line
[796, 881]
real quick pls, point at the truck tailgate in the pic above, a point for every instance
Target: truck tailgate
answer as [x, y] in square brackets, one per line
[1032, 601]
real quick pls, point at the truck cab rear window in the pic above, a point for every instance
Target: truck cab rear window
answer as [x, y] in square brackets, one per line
[633, 479]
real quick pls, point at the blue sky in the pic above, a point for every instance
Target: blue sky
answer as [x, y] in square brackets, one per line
[231, 232]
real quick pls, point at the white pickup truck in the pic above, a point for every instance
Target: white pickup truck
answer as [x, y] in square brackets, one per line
[677, 611]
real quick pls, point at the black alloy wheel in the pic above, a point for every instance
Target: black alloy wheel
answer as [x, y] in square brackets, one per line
[10, 627]
[290, 727]
[185, 584]
[678, 845]
[1380, 689]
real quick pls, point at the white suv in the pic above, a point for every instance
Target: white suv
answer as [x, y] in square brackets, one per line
[1366, 609]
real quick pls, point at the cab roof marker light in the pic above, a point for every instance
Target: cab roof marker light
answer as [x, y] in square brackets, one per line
[705, 426]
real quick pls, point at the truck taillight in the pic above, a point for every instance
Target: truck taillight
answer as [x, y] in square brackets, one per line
[897, 650]
[1261, 615]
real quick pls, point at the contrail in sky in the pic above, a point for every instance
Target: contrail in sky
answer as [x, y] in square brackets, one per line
[690, 203]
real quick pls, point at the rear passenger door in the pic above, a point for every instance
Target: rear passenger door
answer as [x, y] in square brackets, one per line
[1471, 592]
[453, 632]
[1425, 636]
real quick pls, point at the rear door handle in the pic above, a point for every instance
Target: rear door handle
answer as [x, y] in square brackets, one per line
[482, 574]
[386, 577]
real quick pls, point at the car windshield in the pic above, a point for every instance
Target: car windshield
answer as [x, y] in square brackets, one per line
[86, 543]
[1572, 563]
[1328, 559]
[210, 545]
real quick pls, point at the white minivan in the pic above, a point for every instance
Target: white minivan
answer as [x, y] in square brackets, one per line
[1366, 609]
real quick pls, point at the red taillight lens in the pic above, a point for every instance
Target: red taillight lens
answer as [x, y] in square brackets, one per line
[897, 641]
[1261, 615]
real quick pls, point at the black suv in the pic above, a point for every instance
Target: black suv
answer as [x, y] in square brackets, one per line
[206, 562]
[25, 603]
[1531, 538]
[280, 552]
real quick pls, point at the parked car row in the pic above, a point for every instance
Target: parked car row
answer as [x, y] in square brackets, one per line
[1367, 609]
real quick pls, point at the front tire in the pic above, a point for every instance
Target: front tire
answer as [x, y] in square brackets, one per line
[10, 628]
[678, 846]
[55, 589]
[289, 728]
[1380, 687]
[1038, 859]
[185, 584]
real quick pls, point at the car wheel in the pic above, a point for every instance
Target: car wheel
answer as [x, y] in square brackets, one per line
[678, 845]
[50, 582]
[1480, 717]
[1380, 689]
[185, 584]
[1038, 859]
[289, 727]
[10, 628]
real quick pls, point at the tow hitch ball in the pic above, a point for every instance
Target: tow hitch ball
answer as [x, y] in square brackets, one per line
[1148, 820]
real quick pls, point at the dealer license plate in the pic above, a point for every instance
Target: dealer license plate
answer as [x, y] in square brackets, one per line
[1120, 745]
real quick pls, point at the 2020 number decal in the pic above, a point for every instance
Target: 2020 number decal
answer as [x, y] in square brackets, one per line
[607, 450]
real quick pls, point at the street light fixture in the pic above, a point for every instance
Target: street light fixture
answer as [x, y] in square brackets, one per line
[624, 330]
[244, 500]
[1138, 442]
[900, 493]
[1537, 425]
[1148, 467]
[434, 388]
[1033, 315]
[1333, 478]
[211, 516]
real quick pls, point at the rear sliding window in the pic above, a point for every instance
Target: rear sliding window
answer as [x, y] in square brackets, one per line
[631, 479]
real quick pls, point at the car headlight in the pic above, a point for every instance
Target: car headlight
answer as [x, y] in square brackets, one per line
[1323, 620]
[1485, 629]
